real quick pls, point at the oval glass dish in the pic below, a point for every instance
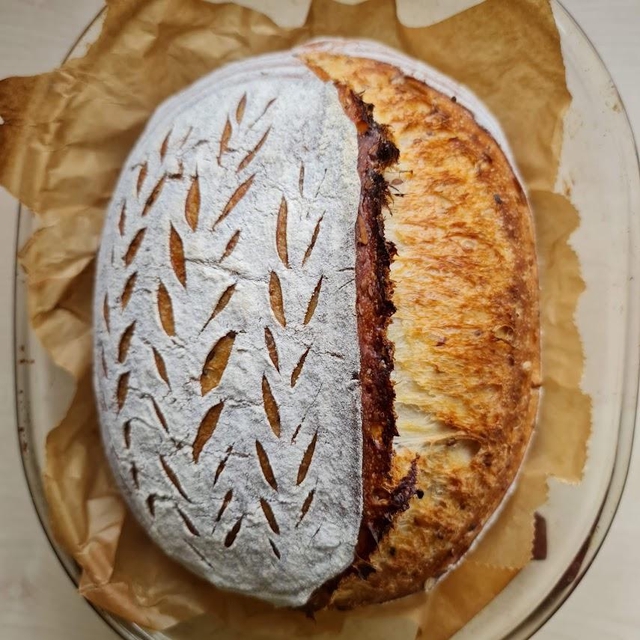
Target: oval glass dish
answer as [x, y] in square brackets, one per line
[599, 161]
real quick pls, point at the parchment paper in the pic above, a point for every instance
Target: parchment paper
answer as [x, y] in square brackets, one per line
[64, 139]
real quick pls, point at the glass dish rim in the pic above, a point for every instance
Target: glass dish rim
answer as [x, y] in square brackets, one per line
[594, 540]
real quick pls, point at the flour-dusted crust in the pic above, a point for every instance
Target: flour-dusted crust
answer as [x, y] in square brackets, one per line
[466, 327]
[227, 358]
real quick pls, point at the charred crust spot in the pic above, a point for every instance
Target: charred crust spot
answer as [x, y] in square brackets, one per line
[364, 569]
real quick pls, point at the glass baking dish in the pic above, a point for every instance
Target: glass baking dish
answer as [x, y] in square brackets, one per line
[599, 160]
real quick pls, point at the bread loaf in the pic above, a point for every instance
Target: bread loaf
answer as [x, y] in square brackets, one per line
[316, 326]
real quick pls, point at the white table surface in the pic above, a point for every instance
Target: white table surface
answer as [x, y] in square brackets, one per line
[37, 600]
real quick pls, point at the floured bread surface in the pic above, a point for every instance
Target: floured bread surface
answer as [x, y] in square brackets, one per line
[227, 359]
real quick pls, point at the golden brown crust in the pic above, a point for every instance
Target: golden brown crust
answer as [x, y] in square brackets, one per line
[466, 329]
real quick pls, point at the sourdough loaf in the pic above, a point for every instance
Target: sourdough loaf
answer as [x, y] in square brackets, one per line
[316, 326]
